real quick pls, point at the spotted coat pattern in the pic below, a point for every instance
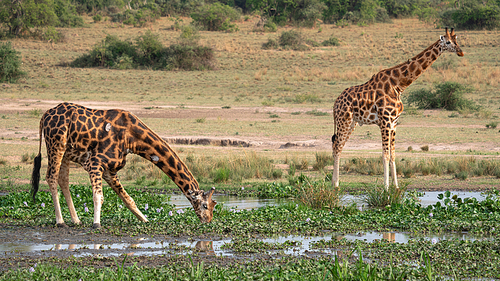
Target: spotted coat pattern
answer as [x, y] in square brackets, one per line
[100, 140]
[378, 102]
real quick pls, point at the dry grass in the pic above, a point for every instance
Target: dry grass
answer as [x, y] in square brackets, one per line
[248, 78]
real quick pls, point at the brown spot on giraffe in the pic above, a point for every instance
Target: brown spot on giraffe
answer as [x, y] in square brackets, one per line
[100, 140]
[383, 106]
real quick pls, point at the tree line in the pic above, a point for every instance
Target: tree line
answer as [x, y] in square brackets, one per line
[33, 17]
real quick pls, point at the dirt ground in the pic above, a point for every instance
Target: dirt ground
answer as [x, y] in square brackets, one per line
[290, 142]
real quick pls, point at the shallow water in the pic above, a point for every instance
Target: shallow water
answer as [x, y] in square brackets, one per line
[237, 202]
[150, 246]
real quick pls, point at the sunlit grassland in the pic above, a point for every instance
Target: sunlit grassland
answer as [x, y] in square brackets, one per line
[272, 91]
[247, 74]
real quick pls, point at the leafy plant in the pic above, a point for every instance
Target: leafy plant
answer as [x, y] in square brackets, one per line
[447, 95]
[379, 196]
[10, 66]
[332, 41]
[216, 17]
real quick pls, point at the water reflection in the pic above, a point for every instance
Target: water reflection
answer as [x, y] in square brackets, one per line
[230, 201]
[148, 247]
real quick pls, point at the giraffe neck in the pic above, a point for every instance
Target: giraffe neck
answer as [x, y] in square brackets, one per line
[404, 74]
[150, 146]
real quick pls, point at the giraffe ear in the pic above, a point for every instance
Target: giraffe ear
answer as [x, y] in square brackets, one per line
[452, 33]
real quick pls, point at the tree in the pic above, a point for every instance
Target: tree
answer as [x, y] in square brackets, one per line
[22, 15]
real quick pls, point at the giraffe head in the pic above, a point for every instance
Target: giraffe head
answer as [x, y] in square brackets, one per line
[203, 204]
[449, 43]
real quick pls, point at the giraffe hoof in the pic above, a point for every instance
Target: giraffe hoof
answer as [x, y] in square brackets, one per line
[96, 226]
[62, 225]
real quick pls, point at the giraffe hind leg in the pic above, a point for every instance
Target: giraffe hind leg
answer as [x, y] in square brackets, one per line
[54, 164]
[389, 153]
[344, 130]
[64, 184]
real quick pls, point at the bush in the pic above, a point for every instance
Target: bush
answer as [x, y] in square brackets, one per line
[146, 52]
[292, 40]
[138, 18]
[332, 41]
[472, 15]
[447, 95]
[270, 44]
[216, 17]
[149, 48]
[188, 57]
[189, 35]
[10, 64]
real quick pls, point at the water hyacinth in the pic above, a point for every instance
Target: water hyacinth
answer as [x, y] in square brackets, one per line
[180, 211]
[434, 241]
[120, 206]
[78, 196]
[159, 210]
[25, 204]
[431, 215]
[43, 205]
[32, 269]
[86, 209]
[170, 213]
[308, 220]
[146, 207]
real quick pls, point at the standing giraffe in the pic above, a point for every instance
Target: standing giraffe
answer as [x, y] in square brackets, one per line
[100, 140]
[378, 102]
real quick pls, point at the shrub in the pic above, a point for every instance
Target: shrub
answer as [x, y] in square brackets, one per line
[472, 15]
[52, 35]
[97, 18]
[10, 66]
[216, 17]
[270, 44]
[447, 95]
[106, 53]
[188, 57]
[332, 41]
[138, 18]
[291, 39]
[67, 14]
[189, 35]
[492, 125]
[379, 196]
[318, 194]
[146, 52]
[149, 48]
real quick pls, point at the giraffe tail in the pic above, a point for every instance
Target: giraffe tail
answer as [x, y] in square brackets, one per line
[37, 163]
[334, 136]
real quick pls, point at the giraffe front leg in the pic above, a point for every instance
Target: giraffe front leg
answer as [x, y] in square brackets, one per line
[393, 158]
[129, 202]
[386, 133]
[336, 167]
[97, 194]
[64, 184]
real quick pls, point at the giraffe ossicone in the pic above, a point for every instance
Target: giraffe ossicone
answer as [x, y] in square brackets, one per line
[378, 102]
[100, 140]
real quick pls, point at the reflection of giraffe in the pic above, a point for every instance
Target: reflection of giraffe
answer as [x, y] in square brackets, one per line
[205, 246]
[389, 236]
[378, 102]
[100, 140]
